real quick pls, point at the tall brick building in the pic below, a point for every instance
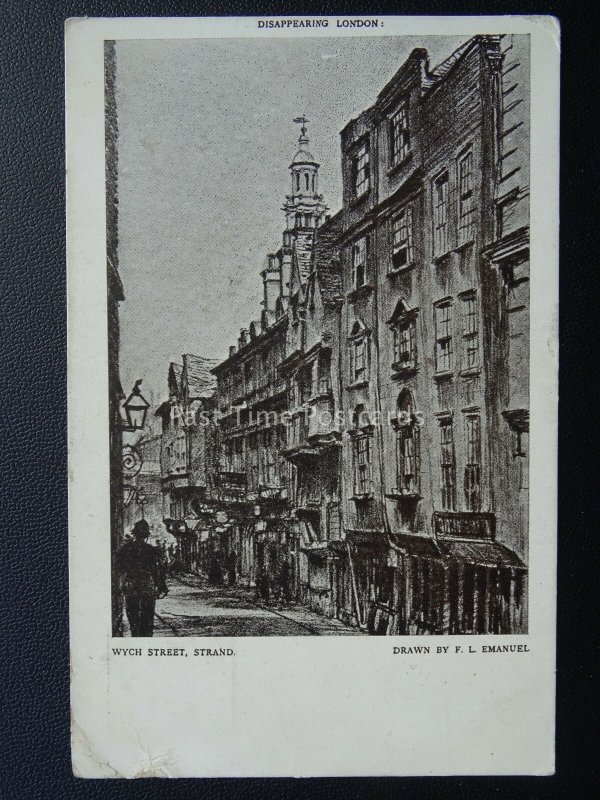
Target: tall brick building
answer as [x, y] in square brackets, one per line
[426, 341]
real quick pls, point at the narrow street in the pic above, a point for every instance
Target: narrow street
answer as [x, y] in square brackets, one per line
[192, 608]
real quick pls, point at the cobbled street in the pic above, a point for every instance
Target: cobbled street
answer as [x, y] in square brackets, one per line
[193, 608]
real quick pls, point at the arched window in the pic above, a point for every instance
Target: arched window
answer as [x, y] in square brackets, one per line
[403, 323]
[307, 179]
[297, 181]
[407, 444]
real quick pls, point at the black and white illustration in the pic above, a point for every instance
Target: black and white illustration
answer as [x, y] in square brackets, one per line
[318, 333]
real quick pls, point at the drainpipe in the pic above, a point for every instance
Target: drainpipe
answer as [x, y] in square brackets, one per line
[377, 393]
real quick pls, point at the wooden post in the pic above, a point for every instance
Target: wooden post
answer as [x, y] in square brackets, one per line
[408, 568]
[511, 602]
[354, 586]
[445, 615]
[486, 602]
[460, 599]
[476, 599]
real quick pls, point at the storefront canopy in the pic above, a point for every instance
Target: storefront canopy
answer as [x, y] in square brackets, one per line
[481, 554]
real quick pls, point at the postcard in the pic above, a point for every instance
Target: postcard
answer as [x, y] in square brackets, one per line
[312, 314]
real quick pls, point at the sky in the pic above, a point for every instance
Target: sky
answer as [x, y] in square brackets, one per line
[205, 141]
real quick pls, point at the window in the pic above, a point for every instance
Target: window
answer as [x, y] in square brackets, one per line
[362, 447]
[228, 456]
[324, 372]
[443, 337]
[400, 137]
[470, 332]
[361, 171]
[238, 455]
[407, 445]
[359, 366]
[358, 343]
[253, 461]
[440, 215]
[307, 180]
[249, 377]
[305, 384]
[405, 344]
[447, 465]
[297, 181]
[466, 207]
[359, 263]
[402, 239]
[472, 484]
[269, 460]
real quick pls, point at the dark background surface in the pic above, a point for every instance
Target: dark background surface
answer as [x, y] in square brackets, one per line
[34, 655]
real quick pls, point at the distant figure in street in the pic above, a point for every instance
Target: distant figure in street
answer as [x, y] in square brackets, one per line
[143, 581]
[215, 571]
[231, 565]
[263, 589]
[284, 581]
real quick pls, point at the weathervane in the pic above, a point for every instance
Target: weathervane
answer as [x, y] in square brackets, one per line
[303, 122]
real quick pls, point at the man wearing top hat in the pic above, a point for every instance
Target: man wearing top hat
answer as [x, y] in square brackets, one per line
[143, 580]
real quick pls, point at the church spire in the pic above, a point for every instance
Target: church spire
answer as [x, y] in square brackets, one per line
[304, 207]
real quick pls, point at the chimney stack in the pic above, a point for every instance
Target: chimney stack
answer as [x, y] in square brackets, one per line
[271, 282]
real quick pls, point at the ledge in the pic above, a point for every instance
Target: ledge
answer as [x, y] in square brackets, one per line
[468, 373]
[399, 371]
[399, 166]
[393, 273]
[442, 259]
[359, 292]
[362, 498]
[318, 398]
[357, 385]
[357, 200]
[443, 376]
[407, 497]
[463, 245]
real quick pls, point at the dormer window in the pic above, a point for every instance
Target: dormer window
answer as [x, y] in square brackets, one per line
[361, 170]
[400, 134]
[402, 239]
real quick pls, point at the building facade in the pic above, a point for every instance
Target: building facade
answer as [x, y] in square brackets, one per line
[425, 498]
[188, 453]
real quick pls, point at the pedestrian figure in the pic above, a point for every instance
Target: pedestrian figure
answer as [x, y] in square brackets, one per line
[215, 571]
[263, 589]
[143, 580]
[231, 565]
[284, 581]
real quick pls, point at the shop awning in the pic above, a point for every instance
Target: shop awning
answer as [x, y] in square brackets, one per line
[480, 554]
[368, 538]
[421, 546]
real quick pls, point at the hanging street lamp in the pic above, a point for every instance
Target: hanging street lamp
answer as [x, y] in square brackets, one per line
[136, 407]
